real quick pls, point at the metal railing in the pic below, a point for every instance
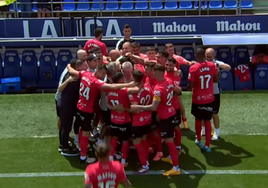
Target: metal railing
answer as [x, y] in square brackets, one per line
[20, 8]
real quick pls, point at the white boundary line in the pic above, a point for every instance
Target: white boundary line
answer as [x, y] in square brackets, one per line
[184, 172]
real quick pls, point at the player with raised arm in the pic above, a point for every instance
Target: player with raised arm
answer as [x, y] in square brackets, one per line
[90, 90]
[105, 173]
[162, 103]
[201, 77]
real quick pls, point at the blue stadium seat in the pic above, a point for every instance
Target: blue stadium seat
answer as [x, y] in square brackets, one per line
[243, 85]
[241, 55]
[11, 7]
[96, 5]
[229, 4]
[226, 81]
[83, 6]
[34, 9]
[64, 58]
[187, 53]
[184, 75]
[156, 5]
[112, 5]
[204, 4]
[224, 54]
[1, 68]
[171, 5]
[69, 5]
[215, 4]
[186, 4]
[261, 77]
[246, 4]
[127, 5]
[141, 5]
[47, 76]
[11, 64]
[29, 68]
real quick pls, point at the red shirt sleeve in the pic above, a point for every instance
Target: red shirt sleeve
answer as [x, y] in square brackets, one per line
[215, 70]
[104, 49]
[191, 73]
[99, 83]
[181, 61]
[121, 174]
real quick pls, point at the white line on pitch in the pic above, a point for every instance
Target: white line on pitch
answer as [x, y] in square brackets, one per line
[159, 172]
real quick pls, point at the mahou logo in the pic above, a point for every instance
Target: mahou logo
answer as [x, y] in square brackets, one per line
[237, 26]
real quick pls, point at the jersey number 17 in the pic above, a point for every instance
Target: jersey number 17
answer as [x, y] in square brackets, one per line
[205, 79]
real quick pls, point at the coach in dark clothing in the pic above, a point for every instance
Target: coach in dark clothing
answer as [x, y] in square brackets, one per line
[68, 107]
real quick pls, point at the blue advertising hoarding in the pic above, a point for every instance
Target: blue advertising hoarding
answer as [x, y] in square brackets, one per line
[146, 26]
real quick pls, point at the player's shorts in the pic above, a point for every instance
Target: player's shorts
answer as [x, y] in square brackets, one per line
[121, 131]
[167, 126]
[57, 109]
[106, 117]
[178, 117]
[216, 103]
[202, 111]
[140, 131]
[154, 124]
[84, 119]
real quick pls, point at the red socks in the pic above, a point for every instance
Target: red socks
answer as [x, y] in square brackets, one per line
[198, 128]
[113, 146]
[141, 153]
[124, 150]
[178, 136]
[83, 145]
[184, 119]
[208, 132]
[80, 135]
[146, 149]
[173, 152]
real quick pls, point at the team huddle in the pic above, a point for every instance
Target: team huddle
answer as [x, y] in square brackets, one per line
[137, 100]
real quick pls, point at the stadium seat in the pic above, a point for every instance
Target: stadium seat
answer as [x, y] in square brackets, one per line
[215, 4]
[34, 9]
[1, 68]
[246, 4]
[243, 82]
[11, 64]
[171, 5]
[186, 4]
[141, 5]
[261, 77]
[83, 6]
[224, 54]
[69, 5]
[47, 77]
[226, 81]
[112, 5]
[29, 68]
[97, 6]
[241, 55]
[64, 57]
[230, 4]
[204, 4]
[187, 53]
[127, 5]
[156, 5]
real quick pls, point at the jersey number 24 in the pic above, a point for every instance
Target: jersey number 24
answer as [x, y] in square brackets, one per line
[84, 91]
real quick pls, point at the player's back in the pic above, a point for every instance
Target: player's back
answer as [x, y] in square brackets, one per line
[102, 175]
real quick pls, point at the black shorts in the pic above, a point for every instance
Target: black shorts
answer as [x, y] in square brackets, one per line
[216, 103]
[167, 126]
[106, 117]
[202, 111]
[84, 120]
[140, 131]
[121, 131]
[178, 117]
[57, 108]
[155, 124]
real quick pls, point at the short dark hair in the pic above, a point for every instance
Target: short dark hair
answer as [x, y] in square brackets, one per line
[102, 150]
[163, 54]
[73, 62]
[117, 76]
[98, 32]
[171, 59]
[150, 64]
[200, 53]
[160, 68]
[126, 26]
[101, 67]
[150, 49]
[135, 45]
[137, 75]
[168, 45]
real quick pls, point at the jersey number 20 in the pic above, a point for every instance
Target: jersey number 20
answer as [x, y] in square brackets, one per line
[205, 81]
[84, 91]
[107, 184]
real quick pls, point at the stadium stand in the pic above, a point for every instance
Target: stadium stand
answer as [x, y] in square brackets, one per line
[11, 64]
[261, 77]
[29, 69]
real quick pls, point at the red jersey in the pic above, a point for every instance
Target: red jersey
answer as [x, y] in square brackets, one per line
[143, 56]
[102, 175]
[176, 81]
[202, 74]
[180, 61]
[95, 43]
[116, 97]
[90, 90]
[142, 69]
[163, 92]
[144, 97]
[151, 82]
[243, 72]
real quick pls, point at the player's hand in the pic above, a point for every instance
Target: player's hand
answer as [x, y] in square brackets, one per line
[119, 108]
[72, 79]
[192, 63]
[135, 107]
[177, 73]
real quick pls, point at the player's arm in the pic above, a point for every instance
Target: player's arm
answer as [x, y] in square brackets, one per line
[72, 71]
[118, 108]
[150, 107]
[126, 183]
[177, 89]
[133, 90]
[191, 79]
[118, 86]
[223, 66]
[88, 184]
[216, 75]
[65, 83]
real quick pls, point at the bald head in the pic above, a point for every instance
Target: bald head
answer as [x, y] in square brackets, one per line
[82, 55]
[114, 55]
[210, 54]
[127, 48]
